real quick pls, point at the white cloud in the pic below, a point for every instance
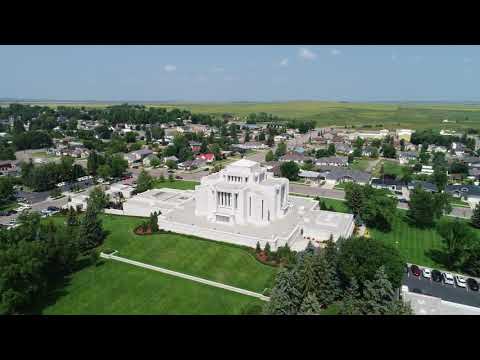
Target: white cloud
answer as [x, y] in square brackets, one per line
[284, 62]
[335, 52]
[217, 69]
[306, 54]
[170, 68]
[467, 60]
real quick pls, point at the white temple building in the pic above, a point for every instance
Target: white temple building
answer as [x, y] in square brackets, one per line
[243, 193]
[242, 204]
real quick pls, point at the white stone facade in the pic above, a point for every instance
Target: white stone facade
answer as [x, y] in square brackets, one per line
[242, 193]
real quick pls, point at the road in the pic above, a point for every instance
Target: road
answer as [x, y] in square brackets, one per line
[450, 293]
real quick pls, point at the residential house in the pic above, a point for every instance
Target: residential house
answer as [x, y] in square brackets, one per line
[399, 188]
[251, 145]
[147, 161]
[171, 158]
[296, 157]
[459, 148]
[273, 167]
[343, 148]
[369, 150]
[332, 161]
[339, 175]
[195, 146]
[380, 134]
[191, 164]
[310, 176]
[404, 157]
[469, 193]
[435, 148]
[279, 138]
[208, 157]
[9, 167]
[427, 186]
[138, 155]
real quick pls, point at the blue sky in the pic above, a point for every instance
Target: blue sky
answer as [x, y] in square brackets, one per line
[241, 73]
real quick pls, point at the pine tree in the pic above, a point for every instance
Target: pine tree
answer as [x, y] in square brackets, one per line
[72, 219]
[378, 295]
[307, 275]
[267, 248]
[351, 302]
[91, 232]
[258, 248]
[327, 282]
[285, 298]
[154, 222]
[475, 219]
[310, 305]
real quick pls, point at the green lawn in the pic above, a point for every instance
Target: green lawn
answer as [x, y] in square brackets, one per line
[360, 164]
[413, 243]
[392, 168]
[176, 184]
[117, 288]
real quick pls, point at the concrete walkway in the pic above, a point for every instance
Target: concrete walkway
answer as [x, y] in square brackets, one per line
[185, 276]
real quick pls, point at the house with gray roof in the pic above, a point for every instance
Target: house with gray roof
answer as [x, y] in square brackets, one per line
[339, 175]
[296, 157]
[470, 193]
[404, 157]
[332, 161]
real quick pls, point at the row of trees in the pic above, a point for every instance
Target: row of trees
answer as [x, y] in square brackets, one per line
[348, 275]
[46, 176]
[35, 256]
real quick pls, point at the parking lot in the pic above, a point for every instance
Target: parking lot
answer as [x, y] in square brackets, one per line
[452, 293]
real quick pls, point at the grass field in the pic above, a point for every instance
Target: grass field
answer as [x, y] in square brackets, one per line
[360, 164]
[408, 115]
[176, 184]
[392, 168]
[114, 288]
[419, 246]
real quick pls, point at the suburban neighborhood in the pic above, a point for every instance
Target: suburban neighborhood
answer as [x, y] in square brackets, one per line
[271, 209]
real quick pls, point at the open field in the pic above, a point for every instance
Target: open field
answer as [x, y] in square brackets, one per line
[113, 288]
[176, 184]
[389, 115]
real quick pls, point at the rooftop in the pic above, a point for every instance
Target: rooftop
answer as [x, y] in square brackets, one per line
[244, 163]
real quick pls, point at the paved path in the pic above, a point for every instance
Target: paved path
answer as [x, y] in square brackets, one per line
[185, 276]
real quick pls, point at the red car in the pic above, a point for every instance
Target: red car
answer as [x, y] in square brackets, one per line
[415, 270]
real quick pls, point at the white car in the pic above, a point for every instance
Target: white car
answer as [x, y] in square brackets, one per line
[448, 278]
[427, 273]
[460, 281]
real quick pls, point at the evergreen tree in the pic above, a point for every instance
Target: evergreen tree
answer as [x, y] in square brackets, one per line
[327, 282]
[154, 222]
[350, 304]
[267, 248]
[144, 182]
[285, 298]
[310, 305]
[72, 219]
[91, 231]
[475, 219]
[378, 294]
[258, 248]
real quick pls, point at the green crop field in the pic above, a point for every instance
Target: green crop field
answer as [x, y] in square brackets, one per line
[409, 115]
[114, 288]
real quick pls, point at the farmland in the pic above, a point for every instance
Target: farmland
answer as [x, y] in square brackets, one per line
[388, 115]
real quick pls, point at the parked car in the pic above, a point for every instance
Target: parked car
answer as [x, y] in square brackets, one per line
[4, 213]
[472, 284]
[415, 270]
[448, 278]
[170, 171]
[53, 208]
[436, 276]
[460, 281]
[427, 273]
[178, 177]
